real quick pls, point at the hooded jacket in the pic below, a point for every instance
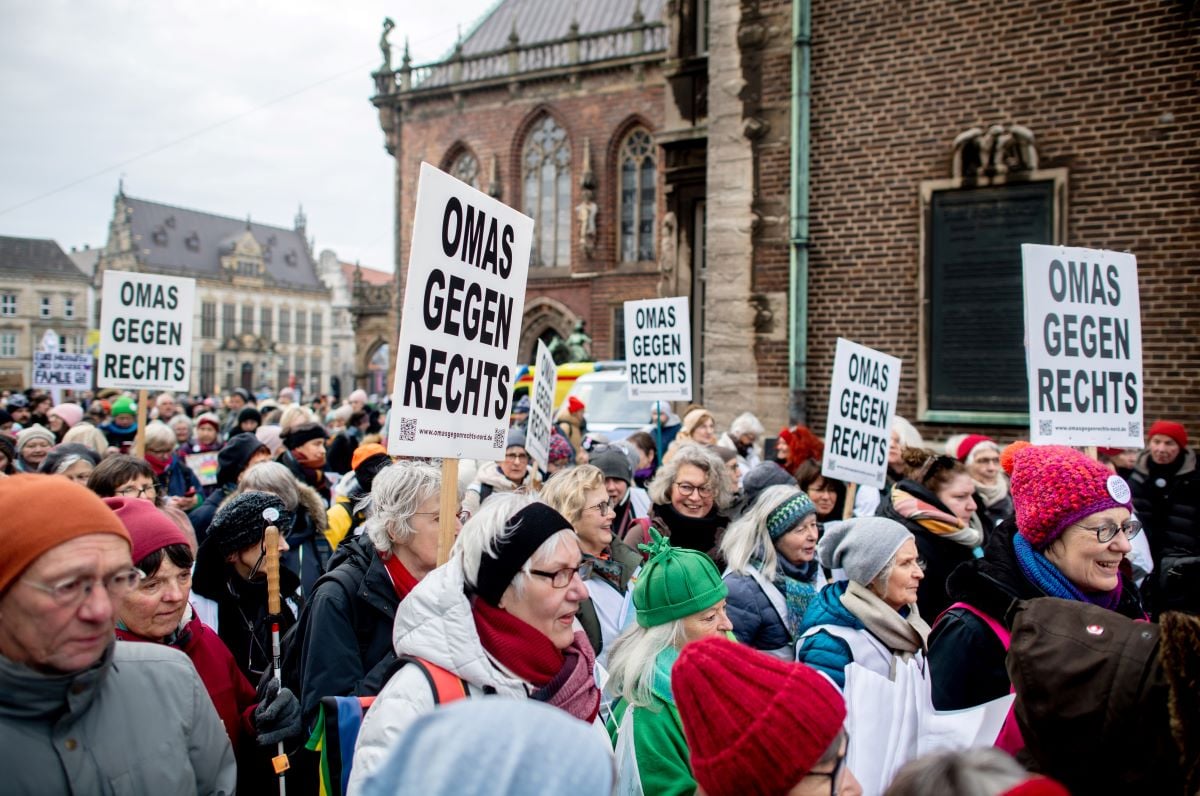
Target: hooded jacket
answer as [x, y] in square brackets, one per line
[491, 477]
[435, 623]
[139, 721]
[1167, 501]
[966, 657]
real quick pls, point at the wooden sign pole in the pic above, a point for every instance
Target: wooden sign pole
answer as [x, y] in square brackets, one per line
[139, 441]
[448, 510]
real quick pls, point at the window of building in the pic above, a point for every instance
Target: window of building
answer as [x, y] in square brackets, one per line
[208, 373]
[266, 321]
[317, 330]
[546, 177]
[315, 369]
[68, 307]
[466, 168]
[44, 307]
[281, 378]
[228, 320]
[618, 333]
[227, 384]
[247, 319]
[638, 198]
[285, 326]
[8, 305]
[208, 320]
[8, 344]
[301, 326]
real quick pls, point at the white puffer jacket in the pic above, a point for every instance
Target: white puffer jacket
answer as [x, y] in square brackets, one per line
[433, 622]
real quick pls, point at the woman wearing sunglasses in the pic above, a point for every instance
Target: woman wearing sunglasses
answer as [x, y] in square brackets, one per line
[579, 495]
[497, 618]
[1069, 539]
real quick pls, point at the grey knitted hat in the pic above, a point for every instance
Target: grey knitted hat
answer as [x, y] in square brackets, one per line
[861, 547]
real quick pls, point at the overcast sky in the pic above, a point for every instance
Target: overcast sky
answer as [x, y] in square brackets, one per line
[95, 90]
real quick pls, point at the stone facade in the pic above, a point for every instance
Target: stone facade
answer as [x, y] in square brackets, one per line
[351, 342]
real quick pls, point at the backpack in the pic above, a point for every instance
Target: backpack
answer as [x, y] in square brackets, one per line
[291, 645]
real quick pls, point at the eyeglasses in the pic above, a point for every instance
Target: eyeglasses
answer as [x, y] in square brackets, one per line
[160, 451]
[516, 457]
[562, 578]
[1106, 532]
[604, 507]
[150, 490]
[73, 591]
[838, 773]
[152, 586]
[463, 516]
[687, 490]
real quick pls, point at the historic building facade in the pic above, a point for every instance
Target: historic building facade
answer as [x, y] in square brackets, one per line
[363, 322]
[262, 316]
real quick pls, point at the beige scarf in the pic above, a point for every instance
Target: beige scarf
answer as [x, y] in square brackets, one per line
[904, 636]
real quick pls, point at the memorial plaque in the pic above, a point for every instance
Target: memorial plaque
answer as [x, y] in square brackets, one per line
[976, 315]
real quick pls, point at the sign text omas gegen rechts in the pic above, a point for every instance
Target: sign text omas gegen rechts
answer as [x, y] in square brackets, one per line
[146, 331]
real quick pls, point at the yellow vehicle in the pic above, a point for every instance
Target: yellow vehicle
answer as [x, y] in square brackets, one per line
[568, 372]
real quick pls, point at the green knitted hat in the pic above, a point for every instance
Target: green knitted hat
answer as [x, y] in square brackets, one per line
[124, 406]
[675, 583]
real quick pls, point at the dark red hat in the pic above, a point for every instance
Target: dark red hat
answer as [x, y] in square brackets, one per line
[1175, 431]
[149, 528]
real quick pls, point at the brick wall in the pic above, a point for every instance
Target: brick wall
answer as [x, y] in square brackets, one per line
[1110, 91]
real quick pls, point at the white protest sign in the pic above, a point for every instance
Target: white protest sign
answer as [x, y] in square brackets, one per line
[66, 371]
[145, 331]
[541, 407]
[464, 298]
[1083, 330]
[862, 404]
[658, 348]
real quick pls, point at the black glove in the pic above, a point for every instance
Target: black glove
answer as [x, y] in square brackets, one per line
[277, 716]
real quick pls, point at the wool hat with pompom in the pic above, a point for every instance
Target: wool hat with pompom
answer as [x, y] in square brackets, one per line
[754, 724]
[1054, 487]
[675, 582]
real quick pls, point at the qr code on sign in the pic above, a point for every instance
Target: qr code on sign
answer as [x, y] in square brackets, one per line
[408, 429]
[1135, 429]
[1045, 427]
[499, 437]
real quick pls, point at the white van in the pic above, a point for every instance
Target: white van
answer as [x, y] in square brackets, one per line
[609, 411]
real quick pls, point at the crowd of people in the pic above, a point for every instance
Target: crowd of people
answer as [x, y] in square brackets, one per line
[699, 608]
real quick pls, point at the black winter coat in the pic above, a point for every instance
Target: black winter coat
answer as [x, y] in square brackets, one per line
[1167, 501]
[965, 656]
[346, 629]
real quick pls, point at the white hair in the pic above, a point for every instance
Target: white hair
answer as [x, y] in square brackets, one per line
[633, 656]
[907, 432]
[397, 491]
[747, 538]
[986, 445]
[968, 772]
[180, 419]
[746, 423]
[159, 434]
[483, 532]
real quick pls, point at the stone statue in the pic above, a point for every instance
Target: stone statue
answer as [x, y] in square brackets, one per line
[579, 344]
[585, 213]
[667, 255]
[384, 46]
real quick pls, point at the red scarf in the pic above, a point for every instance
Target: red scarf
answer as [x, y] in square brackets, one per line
[402, 580]
[159, 464]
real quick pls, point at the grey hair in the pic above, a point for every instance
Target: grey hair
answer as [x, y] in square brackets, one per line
[159, 433]
[89, 435]
[717, 480]
[984, 771]
[274, 478]
[483, 532]
[879, 586]
[633, 656]
[179, 419]
[986, 445]
[397, 492]
[68, 460]
[747, 538]
[746, 423]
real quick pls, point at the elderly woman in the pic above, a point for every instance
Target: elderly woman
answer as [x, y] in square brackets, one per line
[182, 425]
[795, 446]
[1069, 539]
[178, 484]
[872, 618]
[345, 632]
[680, 598]
[579, 494]
[773, 573]
[937, 504]
[72, 460]
[690, 494]
[699, 428]
[982, 459]
[310, 550]
[499, 616]
[207, 435]
[33, 443]
[743, 435]
[89, 435]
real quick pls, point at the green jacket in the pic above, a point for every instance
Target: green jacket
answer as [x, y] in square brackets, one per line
[659, 747]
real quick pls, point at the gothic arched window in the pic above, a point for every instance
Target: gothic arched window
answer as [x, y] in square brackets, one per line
[466, 168]
[546, 180]
[637, 197]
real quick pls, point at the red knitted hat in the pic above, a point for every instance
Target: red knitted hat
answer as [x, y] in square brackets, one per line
[968, 444]
[57, 508]
[149, 528]
[575, 405]
[1054, 486]
[1037, 786]
[1168, 429]
[754, 724]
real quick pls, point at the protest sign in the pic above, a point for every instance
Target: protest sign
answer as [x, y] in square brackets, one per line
[204, 465]
[464, 297]
[1084, 336]
[862, 404]
[62, 371]
[145, 331]
[541, 408]
[658, 349]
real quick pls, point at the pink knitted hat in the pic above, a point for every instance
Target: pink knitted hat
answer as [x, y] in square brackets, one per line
[1054, 487]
